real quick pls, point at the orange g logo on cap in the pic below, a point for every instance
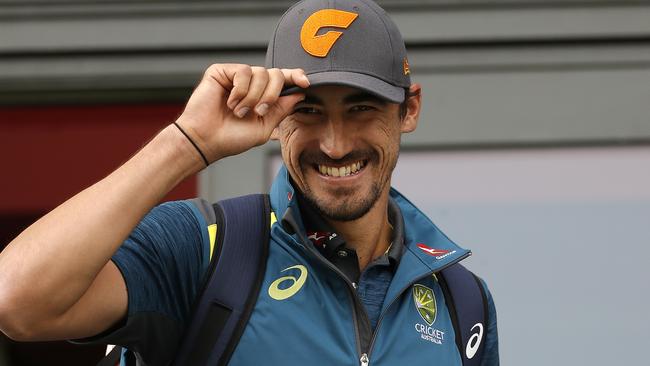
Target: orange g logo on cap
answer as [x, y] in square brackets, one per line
[320, 45]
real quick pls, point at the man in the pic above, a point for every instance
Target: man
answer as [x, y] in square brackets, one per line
[336, 93]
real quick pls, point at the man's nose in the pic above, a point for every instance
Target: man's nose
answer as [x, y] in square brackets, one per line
[336, 140]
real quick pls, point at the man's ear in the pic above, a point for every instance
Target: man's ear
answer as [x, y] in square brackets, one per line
[413, 105]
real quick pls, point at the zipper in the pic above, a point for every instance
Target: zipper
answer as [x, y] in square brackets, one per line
[357, 307]
[394, 300]
[364, 359]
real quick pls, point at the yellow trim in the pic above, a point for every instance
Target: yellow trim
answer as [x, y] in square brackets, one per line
[212, 232]
[273, 218]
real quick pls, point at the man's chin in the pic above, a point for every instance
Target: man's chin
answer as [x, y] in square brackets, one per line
[343, 205]
[343, 212]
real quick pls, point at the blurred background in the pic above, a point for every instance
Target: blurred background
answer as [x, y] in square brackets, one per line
[533, 149]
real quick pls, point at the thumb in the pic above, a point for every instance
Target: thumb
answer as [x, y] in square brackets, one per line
[282, 108]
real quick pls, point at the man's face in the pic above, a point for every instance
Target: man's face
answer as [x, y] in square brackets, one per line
[340, 147]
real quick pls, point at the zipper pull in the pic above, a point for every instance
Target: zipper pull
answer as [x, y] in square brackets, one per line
[364, 359]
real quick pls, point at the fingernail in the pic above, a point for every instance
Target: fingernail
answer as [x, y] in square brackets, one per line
[262, 109]
[242, 112]
[304, 77]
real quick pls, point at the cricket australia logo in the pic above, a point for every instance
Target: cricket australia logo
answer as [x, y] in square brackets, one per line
[425, 303]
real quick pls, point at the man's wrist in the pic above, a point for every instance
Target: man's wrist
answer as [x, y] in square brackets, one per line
[196, 147]
[175, 153]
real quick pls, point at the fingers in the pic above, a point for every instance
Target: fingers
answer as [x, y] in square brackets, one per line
[279, 110]
[257, 88]
[240, 75]
[257, 83]
[272, 91]
[295, 77]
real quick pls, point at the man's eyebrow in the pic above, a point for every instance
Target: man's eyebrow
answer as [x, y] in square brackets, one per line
[312, 99]
[363, 97]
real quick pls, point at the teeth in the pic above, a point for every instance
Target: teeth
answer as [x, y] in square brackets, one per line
[343, 171]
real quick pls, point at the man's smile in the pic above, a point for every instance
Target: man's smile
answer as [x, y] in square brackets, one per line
[340, 171]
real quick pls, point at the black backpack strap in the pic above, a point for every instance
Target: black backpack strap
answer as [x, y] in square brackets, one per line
[467, 304]
[233, 281]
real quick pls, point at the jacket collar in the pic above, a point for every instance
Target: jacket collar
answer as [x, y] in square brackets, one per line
[424, 240]
[427, 249]
[284, 202]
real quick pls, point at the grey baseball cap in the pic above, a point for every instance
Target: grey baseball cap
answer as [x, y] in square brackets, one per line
[342, 42]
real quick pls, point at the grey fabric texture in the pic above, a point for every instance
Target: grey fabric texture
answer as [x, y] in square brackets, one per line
[369, 54]
[368, 83]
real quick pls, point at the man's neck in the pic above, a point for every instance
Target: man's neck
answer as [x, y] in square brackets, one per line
[369, 235]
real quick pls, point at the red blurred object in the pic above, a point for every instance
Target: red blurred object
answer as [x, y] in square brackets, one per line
[50, 153]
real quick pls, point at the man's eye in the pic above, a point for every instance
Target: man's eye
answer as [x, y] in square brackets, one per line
[362, 108]
[306, 110]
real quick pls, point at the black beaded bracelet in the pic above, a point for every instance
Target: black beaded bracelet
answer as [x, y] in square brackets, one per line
[205, 160]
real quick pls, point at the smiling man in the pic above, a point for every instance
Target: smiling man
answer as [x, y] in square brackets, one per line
[340, 147]
[355, 273]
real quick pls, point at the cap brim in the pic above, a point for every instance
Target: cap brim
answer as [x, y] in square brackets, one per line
[370, 84]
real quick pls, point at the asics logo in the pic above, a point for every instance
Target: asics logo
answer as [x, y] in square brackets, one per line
[284, 293]
[320, 45]
[474, 341]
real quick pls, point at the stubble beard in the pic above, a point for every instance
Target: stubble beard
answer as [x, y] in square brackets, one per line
[350, 208]
[346, 204]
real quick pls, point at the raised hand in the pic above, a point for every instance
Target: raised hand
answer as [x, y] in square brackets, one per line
[236, 107]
